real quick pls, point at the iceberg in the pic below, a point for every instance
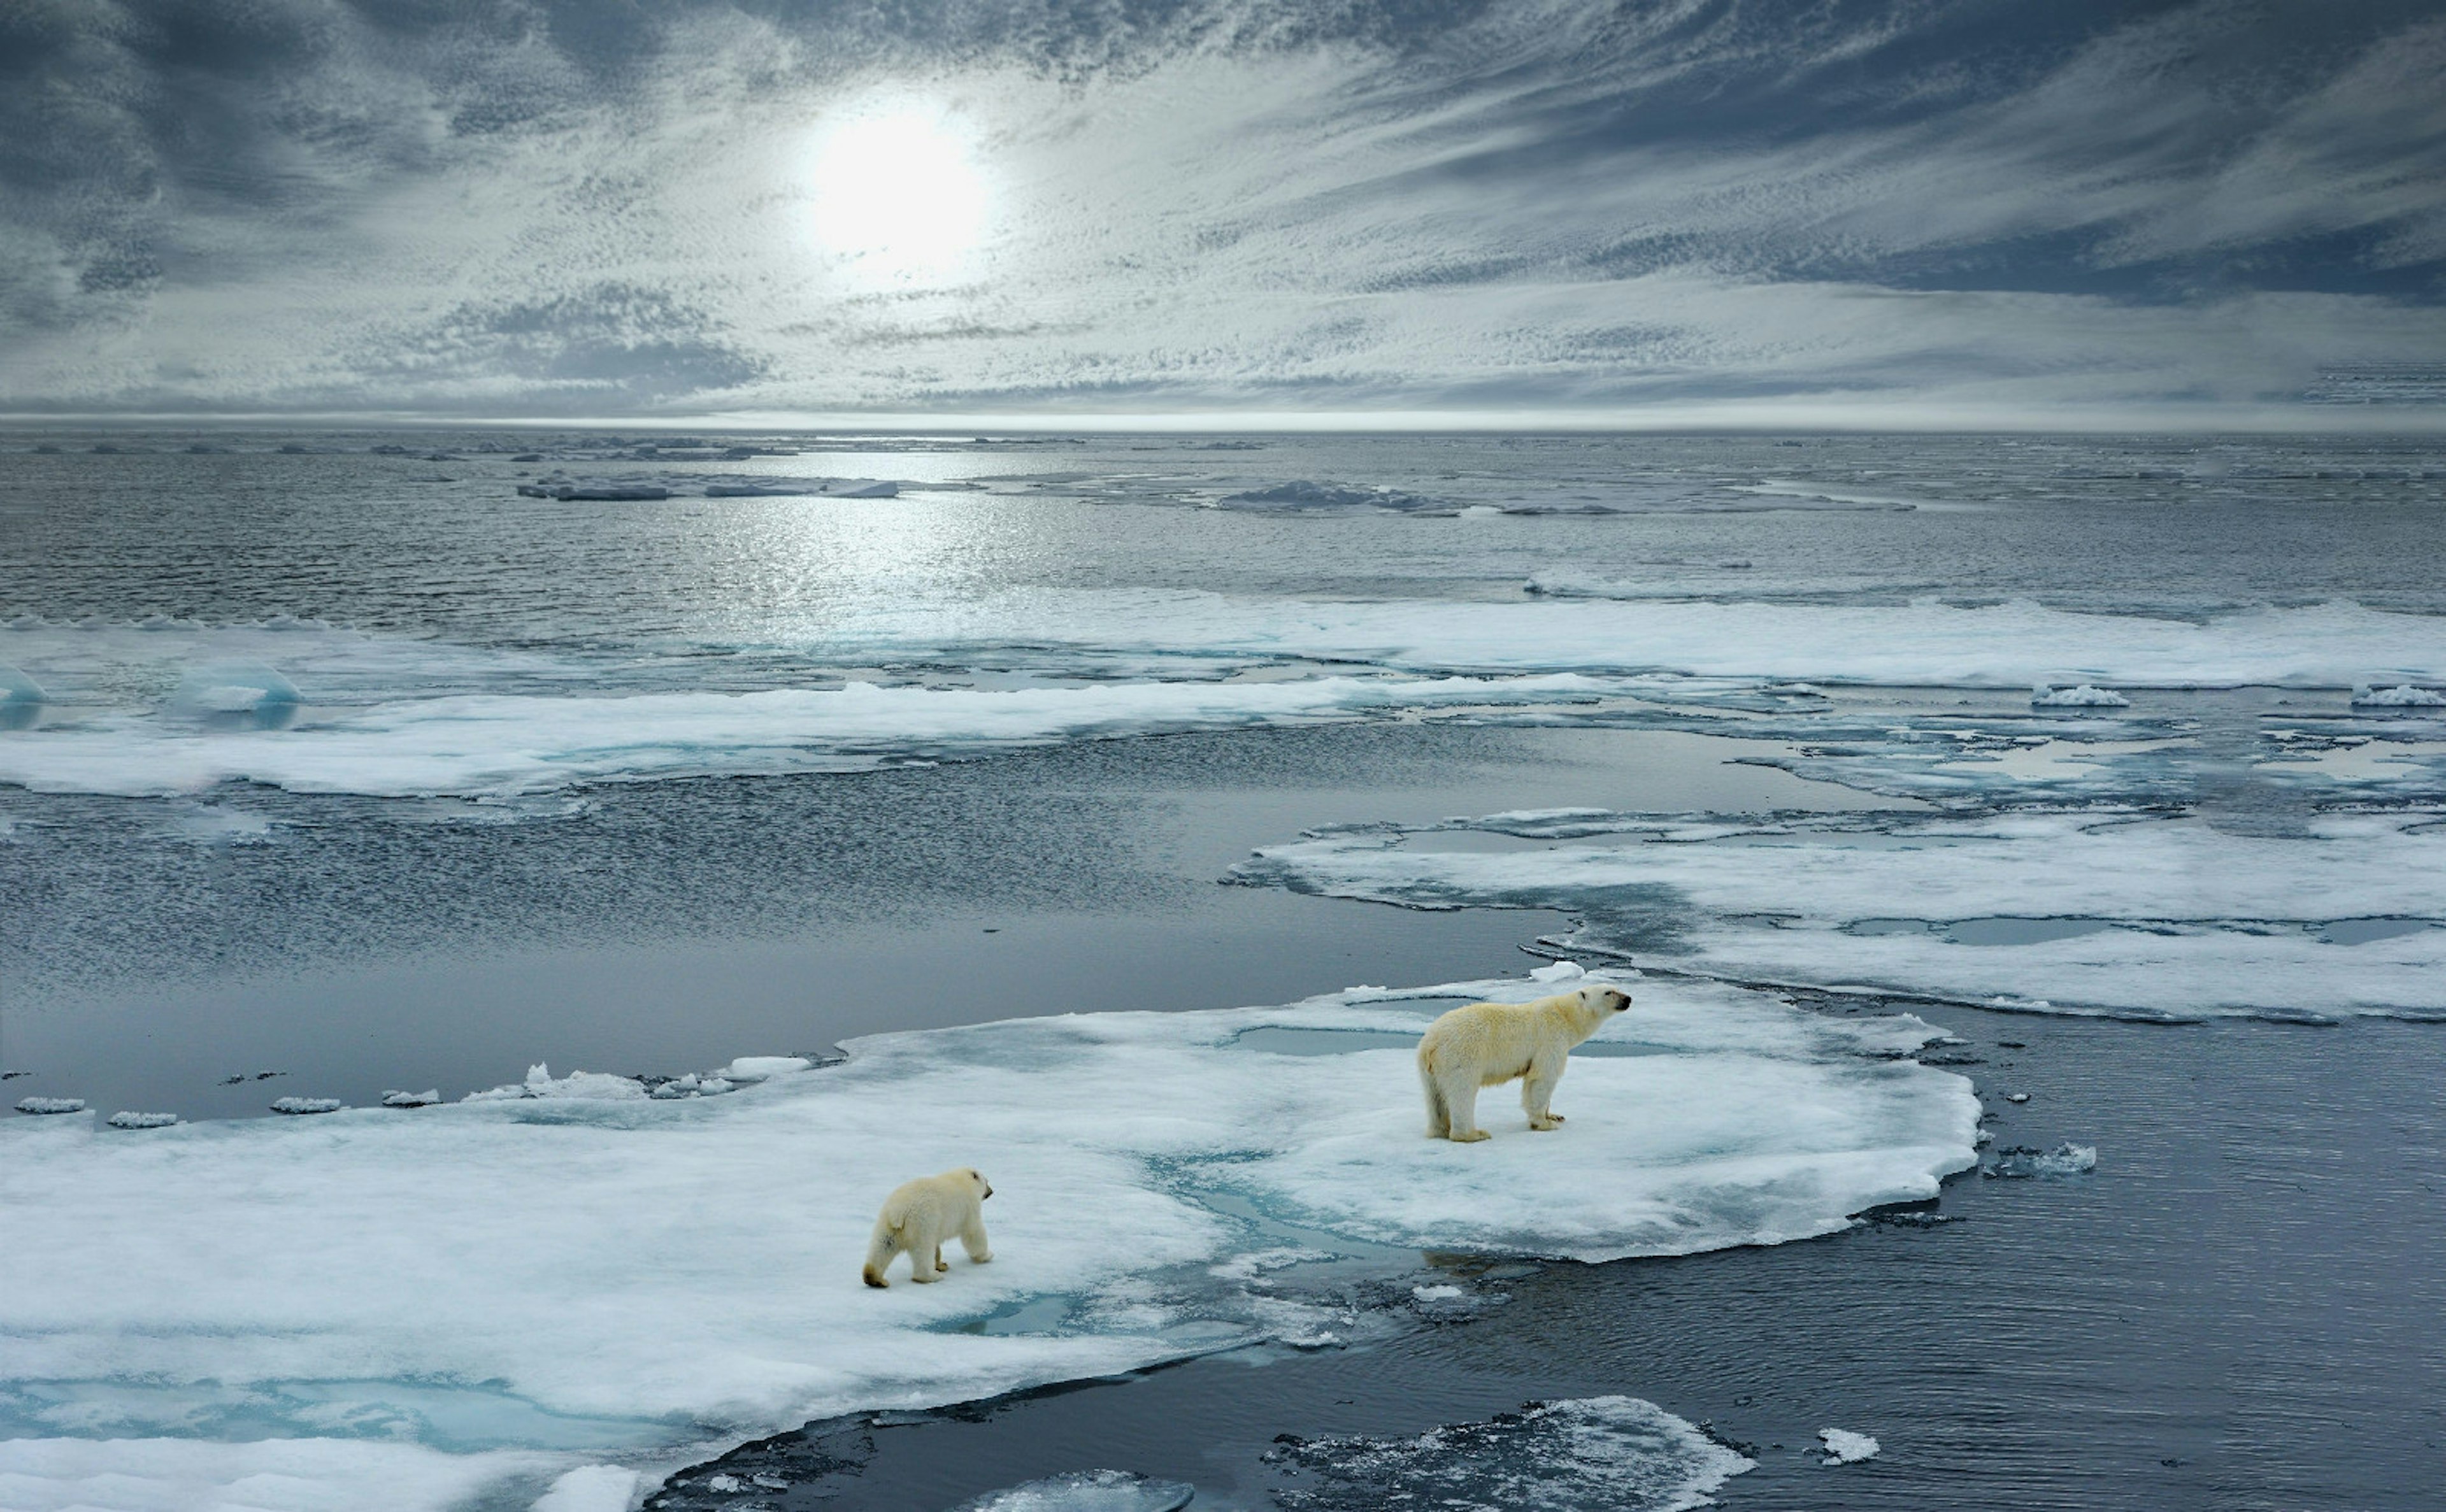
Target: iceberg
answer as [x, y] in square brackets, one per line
[2405, 697]
[374, 1284]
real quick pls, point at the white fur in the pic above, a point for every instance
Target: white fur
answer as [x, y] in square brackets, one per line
[1487, 1043]
[920, 1215]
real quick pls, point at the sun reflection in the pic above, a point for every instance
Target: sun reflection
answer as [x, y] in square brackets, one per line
[900, 191]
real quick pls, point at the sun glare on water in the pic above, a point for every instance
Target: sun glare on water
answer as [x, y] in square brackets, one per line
[899, 191]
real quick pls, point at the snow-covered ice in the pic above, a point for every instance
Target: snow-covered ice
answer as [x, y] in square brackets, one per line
[2091, 909]
[131, 1119]
[301, 1106]
[368, 1281]
[412, 1099]
[50, 1105]
[1846, 1447]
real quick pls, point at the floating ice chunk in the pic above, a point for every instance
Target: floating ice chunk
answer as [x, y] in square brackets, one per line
[763, 1068]
[135, 1120]
[587, 1085]
[1615, 1452]
[1846, 1447]
[46, 1106]
[592, 1488]
[426, 1098]
[299, 1106]
[2405, 697]
[2080, 696]
[1559, 971]
[726, 1484]
[1304, 495]
[1086, 1491]
[2066, 1159]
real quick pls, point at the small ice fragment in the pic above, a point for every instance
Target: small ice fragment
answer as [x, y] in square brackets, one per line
[50, 1105]
[408, 1100]
[307, 1105]
[1845, 1447]
[2017, 1097]
[1435, 1293]
[134, 1120]
[713, 1085]
[1085, 1491]
[2080, 696]
[763, 1068]
[2404, 697]
[725, 1484]
[1559, 971]
[2068, 1159]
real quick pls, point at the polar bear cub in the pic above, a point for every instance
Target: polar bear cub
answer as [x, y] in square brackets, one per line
[1487, 1043]
[920, 1215]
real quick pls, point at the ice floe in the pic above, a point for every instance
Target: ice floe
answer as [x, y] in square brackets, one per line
[1846, 1447]
[364, 1279]
[47, 1107]
[426, 1098]
[137, 1120]
[1615, 1452]
[2070, 910]
[300, 1107]
[501, 744]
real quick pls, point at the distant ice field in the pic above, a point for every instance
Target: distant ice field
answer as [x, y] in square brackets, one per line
[471, 1278]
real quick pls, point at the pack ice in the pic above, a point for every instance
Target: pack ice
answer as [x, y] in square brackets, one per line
[385, 1297]
[2094, 910]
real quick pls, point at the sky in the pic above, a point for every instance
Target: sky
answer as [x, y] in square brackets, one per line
[1221, 208]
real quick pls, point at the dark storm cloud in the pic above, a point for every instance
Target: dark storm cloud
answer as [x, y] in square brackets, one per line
[464, 201]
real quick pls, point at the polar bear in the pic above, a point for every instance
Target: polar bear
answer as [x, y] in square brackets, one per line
[1487, 1043]
[920, 1215]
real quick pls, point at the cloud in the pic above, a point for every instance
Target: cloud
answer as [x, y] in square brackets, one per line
[582, 208]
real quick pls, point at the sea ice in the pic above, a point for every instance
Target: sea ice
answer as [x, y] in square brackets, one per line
[1613, 1452]
[50, 1105]
[1846, 1447]
[349, 1274]
[2076, 911]
[426, 1098]
[135, 1120]
[307, 1105]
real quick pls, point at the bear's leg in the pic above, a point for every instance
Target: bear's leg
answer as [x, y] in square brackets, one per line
[1536, 1088]
[1461, 1101]
[925, 1252]
[1439, 1117]
[972, 1239]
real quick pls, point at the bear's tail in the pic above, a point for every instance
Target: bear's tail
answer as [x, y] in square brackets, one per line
[879, 1251]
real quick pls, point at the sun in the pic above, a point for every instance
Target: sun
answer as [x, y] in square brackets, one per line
[899, 191]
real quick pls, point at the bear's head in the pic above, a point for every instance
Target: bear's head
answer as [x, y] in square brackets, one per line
[1605, 999]
[977, 1179]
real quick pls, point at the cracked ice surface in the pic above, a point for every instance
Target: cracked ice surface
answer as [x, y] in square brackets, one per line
[572, 1276]
[2171, 916]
